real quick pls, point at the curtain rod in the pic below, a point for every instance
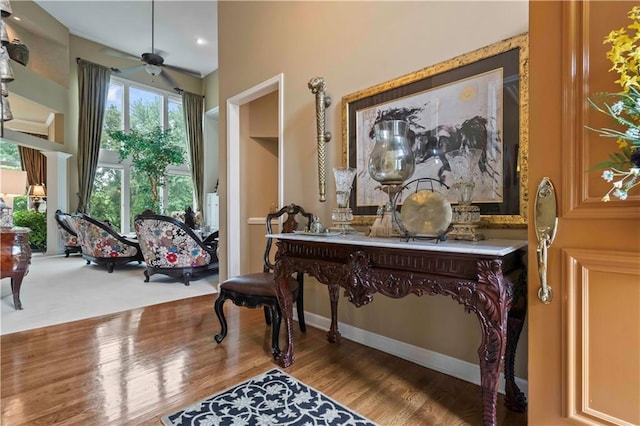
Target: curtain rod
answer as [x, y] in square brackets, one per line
[179, 90]
[78, 59]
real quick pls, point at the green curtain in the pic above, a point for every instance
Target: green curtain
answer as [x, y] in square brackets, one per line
[193, 109]
[93, 87]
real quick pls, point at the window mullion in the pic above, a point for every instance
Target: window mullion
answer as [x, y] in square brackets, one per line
[125, 199]
[165, 114]
[125, 107]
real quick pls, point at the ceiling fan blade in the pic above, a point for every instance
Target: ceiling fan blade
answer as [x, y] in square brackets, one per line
[129, 71]
[160, 52]
[168, 79]
[183, 70]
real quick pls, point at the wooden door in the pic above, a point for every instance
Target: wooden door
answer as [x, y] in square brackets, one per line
[584, 347]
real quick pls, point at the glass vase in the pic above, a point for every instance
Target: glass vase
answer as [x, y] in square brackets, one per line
[392, 160]
[463, 163]
[342, 215]
[344, 179]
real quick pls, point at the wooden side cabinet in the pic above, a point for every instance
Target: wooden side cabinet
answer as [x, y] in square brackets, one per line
[15, 258]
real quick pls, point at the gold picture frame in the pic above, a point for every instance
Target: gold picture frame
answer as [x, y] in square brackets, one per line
[509, 59]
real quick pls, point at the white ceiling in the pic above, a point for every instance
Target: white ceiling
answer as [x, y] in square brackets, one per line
[126, 26]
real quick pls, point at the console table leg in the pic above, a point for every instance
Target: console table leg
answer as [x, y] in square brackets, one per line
[333, 335]
[16, 283]
[490, 356]
[514, 398]
[285, 299]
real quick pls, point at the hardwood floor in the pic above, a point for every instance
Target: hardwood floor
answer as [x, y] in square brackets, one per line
[133, 367]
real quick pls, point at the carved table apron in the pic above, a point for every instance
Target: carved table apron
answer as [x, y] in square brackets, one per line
[487, 277]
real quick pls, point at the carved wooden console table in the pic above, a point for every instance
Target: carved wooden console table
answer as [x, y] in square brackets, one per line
[15, 257]
[487, 277]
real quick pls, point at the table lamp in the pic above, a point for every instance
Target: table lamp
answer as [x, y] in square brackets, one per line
[36, 192]
[12, 183]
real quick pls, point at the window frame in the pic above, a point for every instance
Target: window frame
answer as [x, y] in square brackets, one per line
[110, 158]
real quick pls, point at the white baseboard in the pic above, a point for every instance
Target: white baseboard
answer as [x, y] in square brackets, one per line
[462, 370]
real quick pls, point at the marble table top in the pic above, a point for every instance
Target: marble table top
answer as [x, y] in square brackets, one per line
[491, 247]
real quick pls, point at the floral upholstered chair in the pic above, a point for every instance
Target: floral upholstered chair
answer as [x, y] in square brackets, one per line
[171, 248]
[102, 245]
[68, 233]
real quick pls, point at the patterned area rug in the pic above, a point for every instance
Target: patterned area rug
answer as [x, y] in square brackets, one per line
[272, 398]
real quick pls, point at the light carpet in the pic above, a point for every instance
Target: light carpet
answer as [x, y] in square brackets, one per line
[58, 290]
[272, 398]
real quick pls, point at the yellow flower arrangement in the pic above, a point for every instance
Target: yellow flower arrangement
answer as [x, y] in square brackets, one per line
[624, 165]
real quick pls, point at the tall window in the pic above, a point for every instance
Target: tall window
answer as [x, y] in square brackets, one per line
[120, 192]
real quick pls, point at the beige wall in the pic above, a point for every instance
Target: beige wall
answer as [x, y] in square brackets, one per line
[355, 45]
[46, 38]
[210, 87]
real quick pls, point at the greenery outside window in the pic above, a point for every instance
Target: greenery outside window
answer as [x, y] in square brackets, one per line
[106, 198]
[132, 105]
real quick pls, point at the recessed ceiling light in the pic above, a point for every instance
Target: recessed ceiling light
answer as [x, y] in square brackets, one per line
[16, 18]
[200, 41]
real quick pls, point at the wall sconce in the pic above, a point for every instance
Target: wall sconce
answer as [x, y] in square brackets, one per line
[4, 35]
[12, 183]
[6, 75]
[36, 192]
[5, 8]
[318, 87]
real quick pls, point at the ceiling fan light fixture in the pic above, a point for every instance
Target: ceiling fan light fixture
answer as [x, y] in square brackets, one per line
[152, 69]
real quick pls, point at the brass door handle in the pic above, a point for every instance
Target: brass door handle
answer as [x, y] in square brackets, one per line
[545, 293]
[546, 225]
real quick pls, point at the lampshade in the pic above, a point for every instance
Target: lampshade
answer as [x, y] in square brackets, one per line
[37, 191]
[12, 183]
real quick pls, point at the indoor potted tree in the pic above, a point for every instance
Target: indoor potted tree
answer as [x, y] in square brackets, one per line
[151, 152]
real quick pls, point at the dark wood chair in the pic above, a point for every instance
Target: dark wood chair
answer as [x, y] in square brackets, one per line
[259, 290]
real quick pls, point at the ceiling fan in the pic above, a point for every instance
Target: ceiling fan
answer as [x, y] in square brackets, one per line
[153, 61]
